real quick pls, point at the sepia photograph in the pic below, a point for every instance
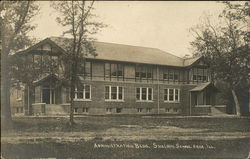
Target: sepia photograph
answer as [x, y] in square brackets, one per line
[125, 79]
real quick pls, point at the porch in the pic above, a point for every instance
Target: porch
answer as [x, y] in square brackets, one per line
[202, 100]
[51, 96]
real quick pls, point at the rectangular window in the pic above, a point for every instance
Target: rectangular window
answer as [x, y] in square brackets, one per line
[144, 72]
[166, 94]
[170, 75]
[148, 110]
[113, 93]
[138, 93]
[144, 94]
[85, 110]
[118, 110]
[75, 110]
[139, 110]
[116, 70]
[171, 95]
[83, 92]
[176, 95]
[87, 69]
[167, 110]
[108, 110]
[107, 70]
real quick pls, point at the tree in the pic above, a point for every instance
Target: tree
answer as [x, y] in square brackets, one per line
[76, 16]
[226, 47]
[15, 24]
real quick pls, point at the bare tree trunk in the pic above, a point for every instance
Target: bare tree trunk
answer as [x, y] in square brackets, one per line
[6, 119]
[72, 92]
[236, 101]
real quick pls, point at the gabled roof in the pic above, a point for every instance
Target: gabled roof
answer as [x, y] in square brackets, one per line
[128, 53]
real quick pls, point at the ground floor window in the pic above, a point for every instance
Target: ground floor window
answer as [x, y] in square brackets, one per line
[144, 94]
[114, 93]
[83, 92]
[172, 95]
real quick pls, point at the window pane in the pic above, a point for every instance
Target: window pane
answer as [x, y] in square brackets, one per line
[106, 92]
[194, 77]
[120, 92]
[138, 93]
[171, 76]
[120, 69]
[87, 68]
[107, 69]
[165, 76]
[143, 75]
[87, 95]
[113, 69]
[165, 94]
[113, 92]
[144, 94]
[176, 95]
[176, 76]
[79, 95]
[137, 74]
[149, 93]
[149, 75]
[171, 94]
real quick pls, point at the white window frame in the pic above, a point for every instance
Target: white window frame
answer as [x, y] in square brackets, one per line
[117, 93]
[172, 101]
[84, 93]
[143, 100]
[85, 108]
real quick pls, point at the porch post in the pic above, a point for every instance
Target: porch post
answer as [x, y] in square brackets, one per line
[190, 103]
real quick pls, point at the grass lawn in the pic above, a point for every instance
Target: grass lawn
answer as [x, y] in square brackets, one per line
[128, 137]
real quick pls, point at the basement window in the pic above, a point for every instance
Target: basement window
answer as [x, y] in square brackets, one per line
[118, 110]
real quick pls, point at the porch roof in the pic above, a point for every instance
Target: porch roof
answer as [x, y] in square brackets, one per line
[202, 86]
[44, 78]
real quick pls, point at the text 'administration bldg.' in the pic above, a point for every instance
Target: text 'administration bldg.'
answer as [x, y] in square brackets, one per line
[121, 79]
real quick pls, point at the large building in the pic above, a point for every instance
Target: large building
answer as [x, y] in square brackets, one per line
[121, 79]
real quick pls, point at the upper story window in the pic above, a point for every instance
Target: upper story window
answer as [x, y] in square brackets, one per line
[172, 95]
[171, 75]
[144, 94]
[85, 68]
[143, 72]
[113, 70]
[198, 74]
[114, 93]
[83, 92]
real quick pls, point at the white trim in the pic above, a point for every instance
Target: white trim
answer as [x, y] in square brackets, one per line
[117, 94]
[172, 101]
[84, 93]
[147, 94]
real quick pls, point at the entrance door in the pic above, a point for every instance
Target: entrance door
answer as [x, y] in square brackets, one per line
[48, 96]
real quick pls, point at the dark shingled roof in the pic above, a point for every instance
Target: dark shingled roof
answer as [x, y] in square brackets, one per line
[128, 53]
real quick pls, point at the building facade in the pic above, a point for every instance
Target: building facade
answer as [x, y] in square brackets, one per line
[121, 79]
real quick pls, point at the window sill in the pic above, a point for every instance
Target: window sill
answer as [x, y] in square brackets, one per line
[150, 101]
[83, 100]
[171, 101]
[113, 100]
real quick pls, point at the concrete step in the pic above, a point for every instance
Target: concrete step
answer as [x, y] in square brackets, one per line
[52, 109]
[216, 112]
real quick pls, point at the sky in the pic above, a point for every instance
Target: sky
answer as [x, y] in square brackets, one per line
[162, 24]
